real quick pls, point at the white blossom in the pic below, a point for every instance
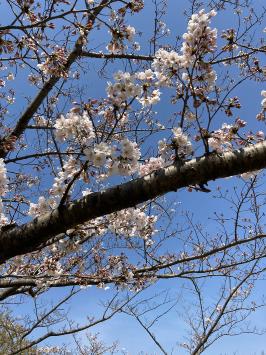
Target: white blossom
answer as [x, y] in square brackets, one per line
[76, 126]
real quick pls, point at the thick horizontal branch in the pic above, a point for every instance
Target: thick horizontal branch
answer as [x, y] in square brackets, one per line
[28, 237]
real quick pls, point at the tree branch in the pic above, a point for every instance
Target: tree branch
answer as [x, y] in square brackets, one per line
[26, 238]
[48, 86]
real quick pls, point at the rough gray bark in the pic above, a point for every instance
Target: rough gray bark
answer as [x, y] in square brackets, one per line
[28, 237]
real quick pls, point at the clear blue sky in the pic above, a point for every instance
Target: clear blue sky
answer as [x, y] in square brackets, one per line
[170, 328]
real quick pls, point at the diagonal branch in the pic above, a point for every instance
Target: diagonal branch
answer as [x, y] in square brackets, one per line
[100, 55]
[28, 237]
[49, 85]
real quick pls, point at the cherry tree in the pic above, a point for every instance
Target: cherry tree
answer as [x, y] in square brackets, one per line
[99, 122]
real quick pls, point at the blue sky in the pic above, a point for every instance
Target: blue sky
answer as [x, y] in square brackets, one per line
[170, 329]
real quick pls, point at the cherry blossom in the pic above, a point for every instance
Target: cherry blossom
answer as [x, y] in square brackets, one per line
[76, 126]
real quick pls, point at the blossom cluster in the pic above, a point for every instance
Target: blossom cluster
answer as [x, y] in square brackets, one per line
[166, 65]
[57, 191]
[55, 63]
[76, 126]
[221, 140]
[151, 165]
[127, 88]
[133, 222]
[199, 40]
[123, 89]
[39, 208]
[261, 115]
[99, 154]
[3, 178]
[181, 142]
[121, 160]
[70, 168]
[3, 190]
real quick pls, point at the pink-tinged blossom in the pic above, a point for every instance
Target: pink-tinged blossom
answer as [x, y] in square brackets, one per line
[221, 140]
[123, 89]
[261, 115]
[166, 64]
[199, 40]
[181, 142]
[3, 178]
[127, 88]
[146, 75]
[129, 150]
[151, 165]
[119, 160]
[130, 33]
[263, 102]
[75, 126]
[260, 135]
[150, 99]
[37, 209]
[164, 150]
[133, 222]
[125, 162]
[98, 154]
[70, 168]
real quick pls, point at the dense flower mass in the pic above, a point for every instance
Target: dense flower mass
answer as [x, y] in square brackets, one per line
[133, 222]
[3, 178]
[99, 154]
[3, 191]
[37, 209]
[57, 190]
[169, 65]
[75, 126]
[199, 40]
[70, 168]
[181, 142]
[123, 89]
[222, 139]
[120, 160]
[151, 165]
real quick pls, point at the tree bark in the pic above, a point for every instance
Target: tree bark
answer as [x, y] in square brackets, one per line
[28, 237]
